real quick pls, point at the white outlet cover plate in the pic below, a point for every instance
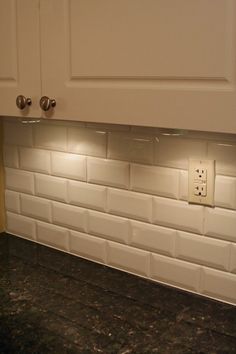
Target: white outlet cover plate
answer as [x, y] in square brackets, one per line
[209, 165]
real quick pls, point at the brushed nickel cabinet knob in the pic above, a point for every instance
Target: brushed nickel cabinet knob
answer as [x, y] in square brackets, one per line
[46, 103]
[22, 102]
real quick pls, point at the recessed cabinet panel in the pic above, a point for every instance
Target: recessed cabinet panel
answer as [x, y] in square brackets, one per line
[157, 39]
[8, 42]
[146, 62]
[20, 56]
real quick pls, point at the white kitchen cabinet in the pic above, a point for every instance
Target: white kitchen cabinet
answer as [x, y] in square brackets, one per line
[145, 62]
[19, 56]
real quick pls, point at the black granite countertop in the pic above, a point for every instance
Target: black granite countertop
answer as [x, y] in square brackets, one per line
[52, 302]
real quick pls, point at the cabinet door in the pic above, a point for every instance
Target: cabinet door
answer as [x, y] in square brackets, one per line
[20, 56]
[147, 62]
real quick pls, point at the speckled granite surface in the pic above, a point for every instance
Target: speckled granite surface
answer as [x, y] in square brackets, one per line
[51, 302]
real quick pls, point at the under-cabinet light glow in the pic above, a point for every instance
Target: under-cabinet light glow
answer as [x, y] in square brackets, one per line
[30, 121]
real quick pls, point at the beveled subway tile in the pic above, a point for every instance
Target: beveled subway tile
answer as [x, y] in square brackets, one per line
[108, 226]
[69, 216]
[128, 258]
[52, 235]
[178, 214]
[220, 223]
[87, 141]
[108, 172]
[50, 136]
[35, 160]
[21, 226]
[51, 187]
[155, 180]
[16, 133]
[10, 156]
[130, 147]
[12, 201]
[225, 192]
[88, 246]
[172, 271]
[225, 156]
[20, 181]
[218, 284]
[87, 195]
[153, 238]
[130, 204]
[69, 165]
[175, 152]
[203, 250]
[35, 207]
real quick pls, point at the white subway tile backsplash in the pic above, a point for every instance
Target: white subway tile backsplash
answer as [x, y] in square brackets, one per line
[12, 201]
[69, 165]
[220, 223]
[108, 172]
[155, 180]
[52, 235]
[225, 156]
[131, 259]
[88, 246]
[108, 226]
[66, 188]
[130, 204]
[51, 187]
[173, 151]
[218, 284]
[16, 133]
[232, 265]
[10, 156]
[35, 160]
[50, 136]
[35, 207]
[175, 272]
[203, 250]
[153, 238]
[21, 226]
[178, 214]
[69, 216]
[20, 181]
[87, 141]
[225, 192]
[131, 147]
[87, 195]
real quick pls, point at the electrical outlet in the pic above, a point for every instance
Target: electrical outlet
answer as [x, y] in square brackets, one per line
[200, 174]
[200, 189]
[201, 182]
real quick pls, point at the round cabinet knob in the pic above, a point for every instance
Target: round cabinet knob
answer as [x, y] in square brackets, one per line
[22, 101]
[46, 103]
